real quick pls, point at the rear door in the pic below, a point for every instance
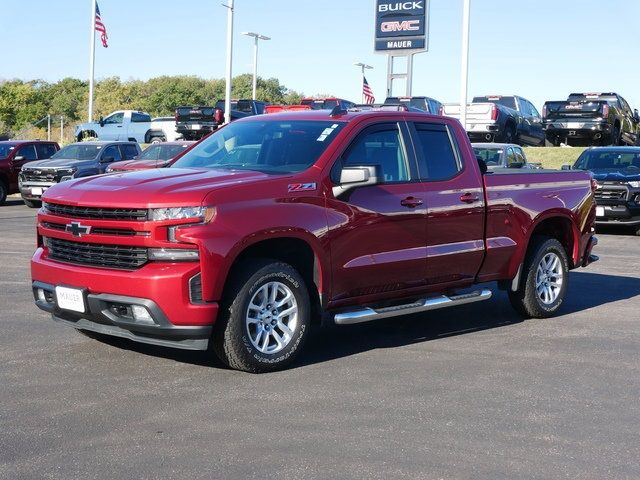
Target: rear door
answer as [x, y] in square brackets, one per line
[537, 132]
[26, 153]
[455, 206]
[377, 232]
[109, 155]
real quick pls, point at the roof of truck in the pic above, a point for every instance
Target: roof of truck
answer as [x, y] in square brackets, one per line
[343, 116]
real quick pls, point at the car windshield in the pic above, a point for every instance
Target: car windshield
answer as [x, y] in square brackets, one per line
[320, 104]
[161, 152]
[491, 156]
[265, 146]
[5, 150]
[78, 152]
[508, 102]
[611, 160]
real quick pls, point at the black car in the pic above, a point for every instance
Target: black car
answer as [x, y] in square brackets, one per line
[426, 104]
[591, 119]
[76, 160]
[617, 171]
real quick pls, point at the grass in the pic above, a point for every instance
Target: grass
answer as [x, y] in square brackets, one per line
[553, 157]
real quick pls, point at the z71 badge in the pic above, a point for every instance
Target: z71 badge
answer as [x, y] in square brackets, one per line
[301, 187]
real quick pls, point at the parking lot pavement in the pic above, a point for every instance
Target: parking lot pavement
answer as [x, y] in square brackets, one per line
[470, 392]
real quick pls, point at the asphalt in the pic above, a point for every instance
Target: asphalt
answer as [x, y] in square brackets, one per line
[465, 393]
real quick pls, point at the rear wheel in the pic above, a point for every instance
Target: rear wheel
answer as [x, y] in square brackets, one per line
[543, 284]
[157, 140]
[615, 136]
[3, 192]
[32, 203]
[264, 319]
[509, 134]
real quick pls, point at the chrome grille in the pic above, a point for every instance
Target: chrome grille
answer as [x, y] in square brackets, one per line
[96, 255]
[135, 214]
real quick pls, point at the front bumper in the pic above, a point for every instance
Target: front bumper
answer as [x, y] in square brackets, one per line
[162, 288]
[34, 190]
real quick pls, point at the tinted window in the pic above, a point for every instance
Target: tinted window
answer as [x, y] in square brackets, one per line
[45, 150]
[264, 145]
[130, 151]
[28, 152]
[5, 150]
[112, 151]
[608, 160]
[491, 156]
[78, 151]
[533, 109]
[162, 152]
[439, 159]
[381, 148]
[140, 117]
[509, 102]
[115, 118]
[511, 156]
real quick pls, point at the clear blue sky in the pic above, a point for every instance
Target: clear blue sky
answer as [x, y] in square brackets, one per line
[541, 49]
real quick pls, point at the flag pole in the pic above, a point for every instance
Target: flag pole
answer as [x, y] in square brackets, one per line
[92, 57]
[464, 74]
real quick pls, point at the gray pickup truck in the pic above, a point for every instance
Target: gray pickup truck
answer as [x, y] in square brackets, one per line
[508, 119]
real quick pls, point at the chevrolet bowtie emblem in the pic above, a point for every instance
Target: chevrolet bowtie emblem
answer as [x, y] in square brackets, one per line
[77, 229]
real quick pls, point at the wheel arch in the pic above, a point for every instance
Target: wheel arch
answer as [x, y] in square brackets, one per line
[560, 226]
[153, 133]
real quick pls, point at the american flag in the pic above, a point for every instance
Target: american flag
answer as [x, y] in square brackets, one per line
[101, 28]
[367, 93]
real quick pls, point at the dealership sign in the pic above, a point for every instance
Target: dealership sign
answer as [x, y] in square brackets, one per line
[401, 26]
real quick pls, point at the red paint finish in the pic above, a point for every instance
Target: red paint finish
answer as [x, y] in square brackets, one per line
[10, 166]
[375, 243]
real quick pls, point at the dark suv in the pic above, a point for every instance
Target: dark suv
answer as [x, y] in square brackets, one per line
[76, 160]
[13, 155]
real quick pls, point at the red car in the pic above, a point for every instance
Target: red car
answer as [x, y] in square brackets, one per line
[276, 222]
[13, 155]
[157, 155]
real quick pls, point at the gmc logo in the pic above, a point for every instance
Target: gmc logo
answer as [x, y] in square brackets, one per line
[405, 26]
[400, 6]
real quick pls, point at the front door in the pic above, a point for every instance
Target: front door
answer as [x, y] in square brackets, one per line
[112, 128]
[377, 232]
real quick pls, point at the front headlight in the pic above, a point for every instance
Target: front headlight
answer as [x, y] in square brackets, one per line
[203, 214]
[635, 184]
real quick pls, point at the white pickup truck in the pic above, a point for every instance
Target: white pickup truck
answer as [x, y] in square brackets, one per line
[129, 125]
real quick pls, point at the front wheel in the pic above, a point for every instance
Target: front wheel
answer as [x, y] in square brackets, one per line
[543, 284]
[157, 140]
[265, 318]
[3, 192]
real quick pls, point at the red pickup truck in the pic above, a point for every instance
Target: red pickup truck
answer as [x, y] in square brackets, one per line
[277, 222]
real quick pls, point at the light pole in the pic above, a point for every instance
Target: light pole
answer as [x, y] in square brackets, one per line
[363, 67]
[256, 37]
[464, 75]
[227, 90]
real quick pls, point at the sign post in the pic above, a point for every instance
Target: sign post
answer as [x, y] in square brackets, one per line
[401, 30]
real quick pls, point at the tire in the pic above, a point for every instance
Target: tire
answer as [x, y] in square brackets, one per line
[637, 231]
[32, 203]
[157, 140]
[3, 192]
[533, 299]
[246, 333]
[509, 135]
[615, 136]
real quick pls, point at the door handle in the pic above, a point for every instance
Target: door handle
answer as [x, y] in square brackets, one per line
[410, 202]
[119, 126]
[469, 198]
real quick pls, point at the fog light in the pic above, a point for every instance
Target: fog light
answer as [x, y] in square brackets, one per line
[141, 314]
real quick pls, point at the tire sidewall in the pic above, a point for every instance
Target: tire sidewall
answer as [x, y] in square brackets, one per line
[3, 192]
[286, 275]
[549, 246]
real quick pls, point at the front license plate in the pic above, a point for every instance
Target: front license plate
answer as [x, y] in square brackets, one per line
[70, 299]
[36, 191]
[195, 127]
[599, 211]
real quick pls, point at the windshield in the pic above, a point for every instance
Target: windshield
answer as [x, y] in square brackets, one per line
[5, 150]
[78, 152]
[608, 160]
[321, 104]
[265, 146]
[491, 156]
[161, 152]
[509, 102]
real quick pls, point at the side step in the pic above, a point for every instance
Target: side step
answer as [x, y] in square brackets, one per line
[367, 314]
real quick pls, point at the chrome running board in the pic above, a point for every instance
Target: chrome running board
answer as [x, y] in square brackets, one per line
[367, 314]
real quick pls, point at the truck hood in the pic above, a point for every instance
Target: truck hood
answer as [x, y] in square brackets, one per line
[61, 163]
[611, 175]
[128, 165]
[155, 188]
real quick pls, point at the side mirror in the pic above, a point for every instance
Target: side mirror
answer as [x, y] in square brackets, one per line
[19, 158]
[566, 166]
[107, 160]
[101, 122]
[352, 177]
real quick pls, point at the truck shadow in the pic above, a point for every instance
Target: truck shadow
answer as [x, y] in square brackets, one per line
[586, 291]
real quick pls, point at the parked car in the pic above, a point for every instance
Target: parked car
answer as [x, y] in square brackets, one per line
[15, 154]
[243, 108]
[591, 119]
[128, 125]
[276, 222]
[193, 123]
[617, 171]
[502, 155]
[509, 119]
[77, 160]
[328, 103]
[426, 104]
[154, 156]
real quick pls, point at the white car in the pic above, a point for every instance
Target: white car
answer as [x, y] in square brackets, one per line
[129, 125]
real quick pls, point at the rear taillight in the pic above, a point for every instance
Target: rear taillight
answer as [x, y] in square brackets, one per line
[605, 111]
[219, 116]
[494, 112]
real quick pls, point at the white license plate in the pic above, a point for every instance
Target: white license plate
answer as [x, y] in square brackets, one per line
[599, 211]
[36, 191]
[574, 125]
[195, 127]
[70, 299]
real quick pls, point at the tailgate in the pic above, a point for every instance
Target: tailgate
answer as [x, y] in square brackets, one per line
[476, 112]
[195, 114]
[588, 109]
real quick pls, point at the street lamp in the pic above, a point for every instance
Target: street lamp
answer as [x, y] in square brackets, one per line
[363, 67]
[256, 37]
